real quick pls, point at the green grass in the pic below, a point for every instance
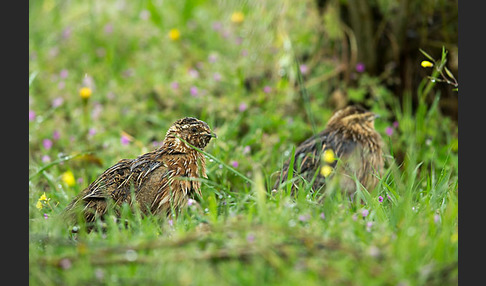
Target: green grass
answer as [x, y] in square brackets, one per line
[240, 233]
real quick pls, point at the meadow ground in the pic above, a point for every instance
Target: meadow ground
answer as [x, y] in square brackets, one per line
[256, 74]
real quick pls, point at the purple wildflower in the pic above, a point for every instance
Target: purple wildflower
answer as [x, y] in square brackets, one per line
[56, 135]
[436, 218]
[47, 143]
[389, 131]
[242, 107]
[46, 159]
[234, 164]
[323, 216]
[108, 28]
[66, 33]
[250, 238]
[63, 73]
[31, 115]
[303, 69]
[171, 222]
[267, 89]
[193, 73]
[212, 58]
[61, 85]
[92, 131]
[65, 263]
[124, 140]
[246, 150]
[46, 216]
[365, 212]
[194, 91]
[217, 26]
[174, 85]
[369, 225]
[57, 102]
[380, 199]
[360, 67]
[304, 218]
[395, 124]
[190, 202]
[217, 76]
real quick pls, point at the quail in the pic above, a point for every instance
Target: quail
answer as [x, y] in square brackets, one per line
[161, 181]
[348, 147]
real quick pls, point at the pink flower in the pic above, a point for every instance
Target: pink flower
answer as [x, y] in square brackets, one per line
[64, 73]
[57, 102]
[124, 140]
[174, 85]
[389, 131]
[56, 135]
[234, 164]
[323, 216]
[303, 69]
[108, 28]
[31, 115]
[365, 212]
[212, 58]
[190, 202]
[395, 124]
[368, 226]
[267, 89]
[194, 91]
[193, 73]
[380, 199]
[46, 159]
[246, 150]
[47, 143]
[217, 76]
[92, 131]
[217, 26]
[360, 67]
[242, 107]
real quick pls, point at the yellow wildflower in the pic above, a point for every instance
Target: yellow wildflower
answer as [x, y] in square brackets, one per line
[38, 205]
[237, 17]
[426, 64]
[68, 178]
[328, 156]
[85, 92]
[174, 34]
[326, 170]
[43, 197]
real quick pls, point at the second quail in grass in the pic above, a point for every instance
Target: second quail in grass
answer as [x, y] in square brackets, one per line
[348, 147]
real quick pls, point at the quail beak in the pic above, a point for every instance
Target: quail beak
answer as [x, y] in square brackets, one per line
[373, 116]
[211, 134]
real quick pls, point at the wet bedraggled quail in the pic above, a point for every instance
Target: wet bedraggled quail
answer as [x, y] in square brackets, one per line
[158, 179]
[350, 136]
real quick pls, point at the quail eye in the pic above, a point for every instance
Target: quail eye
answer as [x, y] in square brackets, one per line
[193, 129]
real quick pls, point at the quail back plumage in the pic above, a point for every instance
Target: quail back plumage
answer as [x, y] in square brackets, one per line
[160, 180]
[351, 135]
